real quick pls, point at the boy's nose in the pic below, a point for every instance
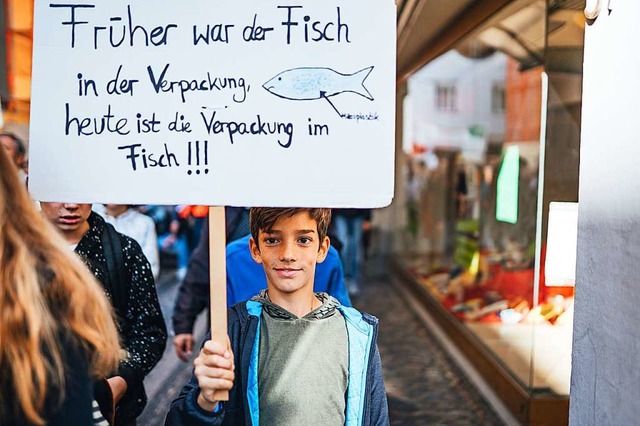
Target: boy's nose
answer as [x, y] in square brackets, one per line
[288, 252]
[70, 206]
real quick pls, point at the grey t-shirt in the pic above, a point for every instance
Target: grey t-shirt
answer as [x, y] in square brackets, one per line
[303, 367]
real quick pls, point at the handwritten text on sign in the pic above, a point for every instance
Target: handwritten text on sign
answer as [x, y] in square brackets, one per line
[231, 103]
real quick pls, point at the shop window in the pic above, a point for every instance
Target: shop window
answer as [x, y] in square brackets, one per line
[478, 248]
[498, 98]
[446, 97]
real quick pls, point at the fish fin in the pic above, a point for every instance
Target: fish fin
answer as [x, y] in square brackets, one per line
[359, 77]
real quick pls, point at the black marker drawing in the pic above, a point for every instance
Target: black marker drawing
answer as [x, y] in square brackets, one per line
[309, 83]
[197, 156]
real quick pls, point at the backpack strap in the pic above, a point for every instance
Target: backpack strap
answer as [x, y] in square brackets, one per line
[118, 284]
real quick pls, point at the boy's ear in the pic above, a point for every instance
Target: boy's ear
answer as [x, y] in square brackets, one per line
[323, 250]
[255, 250]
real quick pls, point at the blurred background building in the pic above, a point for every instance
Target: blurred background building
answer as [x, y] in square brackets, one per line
[16, 24]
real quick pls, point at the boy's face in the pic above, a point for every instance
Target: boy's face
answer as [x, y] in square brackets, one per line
[289, 253]
[70, 218]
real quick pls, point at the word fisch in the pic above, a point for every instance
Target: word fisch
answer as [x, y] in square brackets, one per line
[165, 159]
[316, 31]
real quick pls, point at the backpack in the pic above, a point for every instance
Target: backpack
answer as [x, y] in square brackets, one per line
[116, 272]
[118, 287]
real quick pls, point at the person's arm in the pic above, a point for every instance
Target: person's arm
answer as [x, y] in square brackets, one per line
[75, 408]
[213, 371]
[378, 409]
[192, 299]
[185, 409]
[118, 386]
[214, 368]
[146, 335]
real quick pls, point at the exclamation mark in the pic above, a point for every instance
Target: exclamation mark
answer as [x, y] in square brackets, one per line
[197, 156]
[206, 156]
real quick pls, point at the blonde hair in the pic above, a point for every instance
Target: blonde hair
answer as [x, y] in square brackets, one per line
[45, 292]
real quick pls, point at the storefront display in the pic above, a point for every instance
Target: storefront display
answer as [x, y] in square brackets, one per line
[478, 203]
[501, 313]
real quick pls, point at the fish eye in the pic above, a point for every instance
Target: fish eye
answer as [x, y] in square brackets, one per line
[279, 78]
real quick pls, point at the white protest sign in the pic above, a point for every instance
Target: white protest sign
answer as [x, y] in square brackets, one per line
[225, 102]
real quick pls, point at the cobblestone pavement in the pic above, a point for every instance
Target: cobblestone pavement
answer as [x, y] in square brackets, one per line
[164, 382]
[424, 387]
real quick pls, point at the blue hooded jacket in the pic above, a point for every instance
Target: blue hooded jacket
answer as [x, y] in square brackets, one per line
[366, 397]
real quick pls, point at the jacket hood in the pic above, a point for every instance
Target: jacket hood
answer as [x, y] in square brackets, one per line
[326, 310]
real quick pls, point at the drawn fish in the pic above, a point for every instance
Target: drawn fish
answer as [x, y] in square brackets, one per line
[305, 84]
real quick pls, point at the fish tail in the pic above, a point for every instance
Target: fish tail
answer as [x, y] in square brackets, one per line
[359, 77]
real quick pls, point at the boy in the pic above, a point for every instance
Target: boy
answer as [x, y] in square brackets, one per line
[295, 357]
[245, 278]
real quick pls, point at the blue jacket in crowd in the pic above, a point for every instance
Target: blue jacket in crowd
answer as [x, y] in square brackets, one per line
[366, 397]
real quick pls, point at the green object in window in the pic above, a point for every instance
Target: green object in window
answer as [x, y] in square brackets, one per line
[507, 191]
[476, 131]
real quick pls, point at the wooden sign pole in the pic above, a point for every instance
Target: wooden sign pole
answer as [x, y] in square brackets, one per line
[218, 281]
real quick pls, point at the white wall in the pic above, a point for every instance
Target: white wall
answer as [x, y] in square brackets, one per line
[605, 382]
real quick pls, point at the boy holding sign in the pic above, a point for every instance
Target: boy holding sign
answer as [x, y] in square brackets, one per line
[295, 357]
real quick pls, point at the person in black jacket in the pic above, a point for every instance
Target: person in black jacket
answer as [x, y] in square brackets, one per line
[131, 289]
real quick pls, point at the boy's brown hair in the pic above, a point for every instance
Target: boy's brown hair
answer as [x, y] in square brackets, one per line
[263, 218]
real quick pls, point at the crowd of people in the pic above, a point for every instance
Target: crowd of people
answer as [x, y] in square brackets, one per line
[81, 324]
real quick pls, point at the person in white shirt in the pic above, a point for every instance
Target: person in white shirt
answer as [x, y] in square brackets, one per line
[136, 225]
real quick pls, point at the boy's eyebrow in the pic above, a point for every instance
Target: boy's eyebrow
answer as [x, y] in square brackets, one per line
[306, 231]
[299, 231]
